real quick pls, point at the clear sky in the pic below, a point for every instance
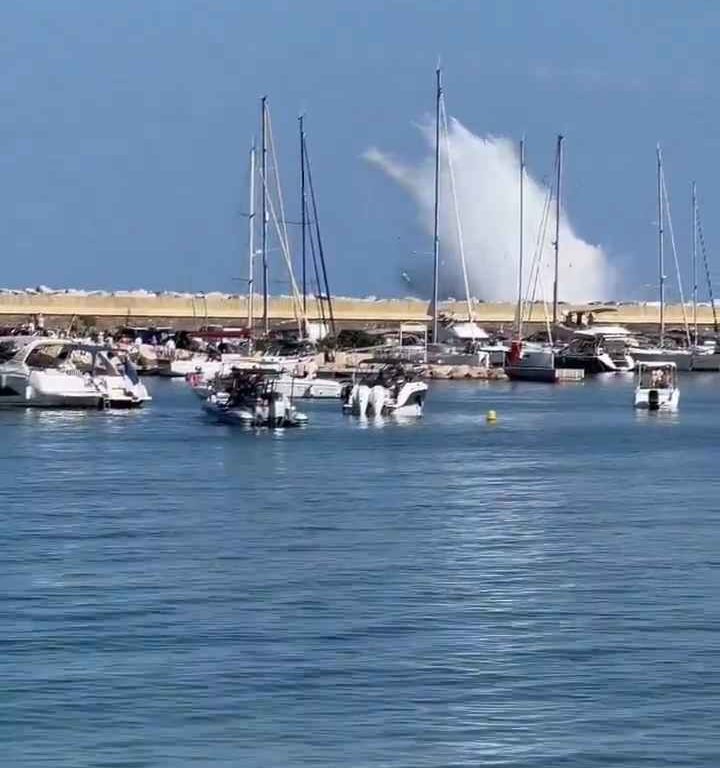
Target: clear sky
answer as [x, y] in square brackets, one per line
[125, 125]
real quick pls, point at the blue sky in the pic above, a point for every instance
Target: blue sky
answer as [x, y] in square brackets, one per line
[124, 126]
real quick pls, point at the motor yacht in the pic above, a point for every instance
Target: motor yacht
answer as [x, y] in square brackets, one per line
[58, 373]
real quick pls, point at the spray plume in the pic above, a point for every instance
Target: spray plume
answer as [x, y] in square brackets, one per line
[487, 176]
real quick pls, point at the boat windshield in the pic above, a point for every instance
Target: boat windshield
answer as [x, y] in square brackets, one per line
[71, 358]
[656, 378]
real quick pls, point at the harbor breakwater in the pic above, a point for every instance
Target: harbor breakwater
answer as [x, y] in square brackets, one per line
[190, 311]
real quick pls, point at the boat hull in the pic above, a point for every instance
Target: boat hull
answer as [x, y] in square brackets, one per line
[377, 400]
[657, 399]
[596, 364]
[44, 389]
[248, 417]
[683, 359]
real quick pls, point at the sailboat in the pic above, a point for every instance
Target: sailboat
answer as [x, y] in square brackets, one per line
[453, 330]
[294, 376]
[691, 356]
[311, 240]
[533, 362]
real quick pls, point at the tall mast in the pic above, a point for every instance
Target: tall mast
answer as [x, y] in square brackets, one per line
[303, 214]
[558, 192]
[325, 285]
[521, 243]
[251, 241]
[661, 254]
[266, 319]
[694, 261]
[436, 228]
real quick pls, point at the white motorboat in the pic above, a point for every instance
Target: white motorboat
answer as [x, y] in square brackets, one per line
[249, 398]
[58, 373]
[599, 349]
[393, 390]
[656, 386]
[179, 366]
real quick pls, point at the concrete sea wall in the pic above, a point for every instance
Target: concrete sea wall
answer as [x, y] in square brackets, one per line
[183, 310]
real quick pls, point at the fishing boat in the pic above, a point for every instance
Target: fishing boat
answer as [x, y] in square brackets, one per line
[392, 390]
[656, 387]
[57, 373]
[250, 398]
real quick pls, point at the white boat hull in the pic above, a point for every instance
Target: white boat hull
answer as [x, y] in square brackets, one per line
[50, 389]
[379, 401]
[657, 399]
[682, 358]
[277, 414]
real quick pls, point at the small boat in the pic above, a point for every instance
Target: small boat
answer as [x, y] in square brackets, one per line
[250, 398]
[58, 373]
[392, 390]
[656, 386]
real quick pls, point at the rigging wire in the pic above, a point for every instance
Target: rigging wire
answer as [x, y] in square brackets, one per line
[456, 207]
[666, 199]
[706, 264]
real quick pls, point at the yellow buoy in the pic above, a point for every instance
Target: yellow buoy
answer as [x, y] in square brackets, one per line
[491, 416]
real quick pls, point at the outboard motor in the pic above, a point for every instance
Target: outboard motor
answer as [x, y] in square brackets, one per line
[361, 399]
[377, 399]
[653, 400]
[277, 409]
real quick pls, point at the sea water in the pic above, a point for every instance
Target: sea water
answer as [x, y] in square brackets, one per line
[539, 591]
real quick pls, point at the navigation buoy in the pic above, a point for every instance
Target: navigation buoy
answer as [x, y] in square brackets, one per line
[491, 416]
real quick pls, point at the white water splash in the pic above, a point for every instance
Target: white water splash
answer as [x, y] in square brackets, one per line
[487, 174]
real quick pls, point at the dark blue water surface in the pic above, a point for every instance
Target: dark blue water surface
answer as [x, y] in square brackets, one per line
[544, 591]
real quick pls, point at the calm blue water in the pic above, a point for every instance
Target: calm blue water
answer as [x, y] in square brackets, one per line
[544, 591]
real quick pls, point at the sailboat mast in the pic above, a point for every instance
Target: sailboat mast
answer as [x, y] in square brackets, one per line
[661, 253]
[436, 227]
[266, 319]
[324, 288]
[303, 214]
[694, 261]
[521, 242]
[558, 191]
[251, 241]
